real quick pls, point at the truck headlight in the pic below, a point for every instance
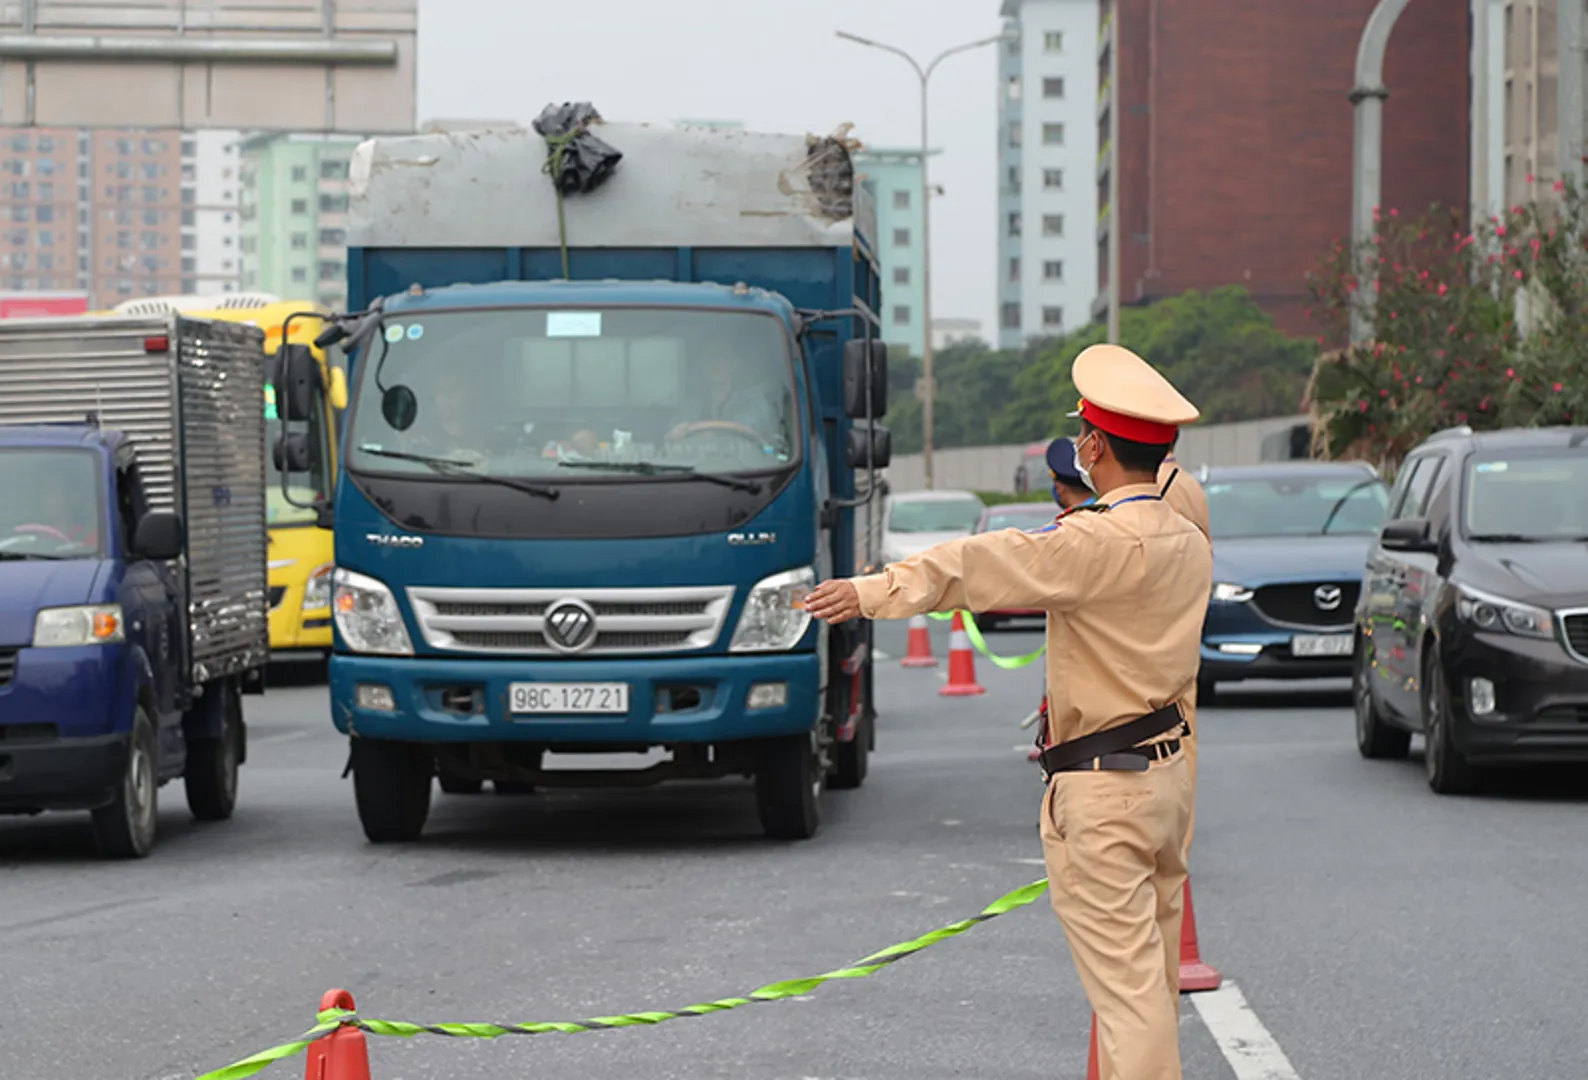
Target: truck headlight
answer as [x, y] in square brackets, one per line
[91, 624]
[1226, 592]
[774, 617]
[317, 593]
[368, 616]
[1497, 614]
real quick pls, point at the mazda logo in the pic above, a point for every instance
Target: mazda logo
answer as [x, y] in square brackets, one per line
[570, 626]
[1327, 597]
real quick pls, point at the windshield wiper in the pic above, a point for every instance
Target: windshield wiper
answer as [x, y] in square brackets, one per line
[1505, 538]
[650, 468]
[453, 467]
[21, 556]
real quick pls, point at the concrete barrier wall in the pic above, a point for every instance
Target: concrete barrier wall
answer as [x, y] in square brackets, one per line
[992, 468]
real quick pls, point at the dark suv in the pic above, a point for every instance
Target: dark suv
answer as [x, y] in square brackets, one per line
[1472, 627]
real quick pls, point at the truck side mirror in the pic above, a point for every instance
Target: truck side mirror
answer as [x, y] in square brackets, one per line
[158, 535]
[291, 452]
[294, 375]
[856, 355]
[873, 437]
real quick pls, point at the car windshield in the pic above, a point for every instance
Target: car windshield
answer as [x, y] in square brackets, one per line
[576, 395]
[50, 505]
[1021, 517]
[934, 515]
[1296, 505]
[1524, 498]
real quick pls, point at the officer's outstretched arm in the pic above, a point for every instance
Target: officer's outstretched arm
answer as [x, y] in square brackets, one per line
[1007, 568]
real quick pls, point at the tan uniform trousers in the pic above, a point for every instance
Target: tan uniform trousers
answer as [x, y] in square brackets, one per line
[1114, 844]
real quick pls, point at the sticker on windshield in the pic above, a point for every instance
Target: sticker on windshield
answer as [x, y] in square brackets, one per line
[1492, 466]
[573, 324]
[415, 332]
[394, 333]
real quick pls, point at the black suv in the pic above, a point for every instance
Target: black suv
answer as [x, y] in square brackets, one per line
[1472, 626]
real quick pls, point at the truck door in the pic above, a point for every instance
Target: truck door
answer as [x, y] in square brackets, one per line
[150, 601]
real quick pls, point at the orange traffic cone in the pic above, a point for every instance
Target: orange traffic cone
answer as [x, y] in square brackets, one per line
[343, 1054]
[961, 663]
[919, 653]
[1194, 974]
[1094, 1071]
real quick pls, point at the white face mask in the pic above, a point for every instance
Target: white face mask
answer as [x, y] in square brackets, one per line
[1084, 472]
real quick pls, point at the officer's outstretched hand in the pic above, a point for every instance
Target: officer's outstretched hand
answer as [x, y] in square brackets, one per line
[834, 601]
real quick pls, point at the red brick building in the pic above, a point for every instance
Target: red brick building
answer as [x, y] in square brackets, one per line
[1235, 152]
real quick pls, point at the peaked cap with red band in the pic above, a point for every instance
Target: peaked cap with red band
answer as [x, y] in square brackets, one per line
[1123, 395]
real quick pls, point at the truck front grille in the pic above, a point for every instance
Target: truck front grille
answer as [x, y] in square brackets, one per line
[514, 621]
[8, 665]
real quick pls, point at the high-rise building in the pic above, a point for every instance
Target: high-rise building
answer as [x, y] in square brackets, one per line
[1047, 165]
[294, 215]
[893, 179]
[1235, 139]
[117, 213]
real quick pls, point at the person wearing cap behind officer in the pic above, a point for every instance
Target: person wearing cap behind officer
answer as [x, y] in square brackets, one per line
[1125, 585]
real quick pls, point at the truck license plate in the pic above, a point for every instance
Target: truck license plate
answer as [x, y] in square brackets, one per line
[568, 699]
[1309, 645]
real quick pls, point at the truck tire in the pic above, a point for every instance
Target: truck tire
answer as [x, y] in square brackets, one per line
[851, 759]
[458, 785]
[125, 828]
[211, 773]
[391, 784]
[788, 784]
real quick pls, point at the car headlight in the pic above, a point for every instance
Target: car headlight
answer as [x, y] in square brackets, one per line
[367, 615]
[1497, 614]
[774, 616]
[317, 593]
[91, 624]
[1229, 593]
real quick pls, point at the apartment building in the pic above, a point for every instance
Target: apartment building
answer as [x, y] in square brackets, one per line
[1047, 167]
[116, 213]
[893, 179]
[294, 215]
[1235, 139]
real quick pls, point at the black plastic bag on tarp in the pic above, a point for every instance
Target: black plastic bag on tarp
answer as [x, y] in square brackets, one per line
[576, 160]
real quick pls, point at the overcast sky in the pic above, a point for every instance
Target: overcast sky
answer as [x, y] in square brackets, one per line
[774, 64]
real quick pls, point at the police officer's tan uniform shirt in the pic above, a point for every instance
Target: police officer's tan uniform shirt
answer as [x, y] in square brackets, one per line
[1186, 496]
[1125, 590]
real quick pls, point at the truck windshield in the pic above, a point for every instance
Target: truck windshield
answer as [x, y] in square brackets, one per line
[593, 394]
[51, 504]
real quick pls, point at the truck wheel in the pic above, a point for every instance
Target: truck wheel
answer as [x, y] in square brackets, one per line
[211, 774]
[391, 784]
[788, 784]
[851, 759]
[125, 829]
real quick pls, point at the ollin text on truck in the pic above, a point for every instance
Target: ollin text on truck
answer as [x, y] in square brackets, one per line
[133, 613]
[606, 430]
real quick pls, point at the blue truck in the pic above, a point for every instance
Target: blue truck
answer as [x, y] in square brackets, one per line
[601, 443]
[133, 605]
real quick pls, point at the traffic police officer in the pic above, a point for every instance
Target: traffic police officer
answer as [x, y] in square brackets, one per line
[1125, 586]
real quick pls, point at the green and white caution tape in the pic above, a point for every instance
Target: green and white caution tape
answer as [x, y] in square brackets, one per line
[979, 643]
[329, 1020]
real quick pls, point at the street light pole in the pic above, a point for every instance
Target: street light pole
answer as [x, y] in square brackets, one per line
[929, 388]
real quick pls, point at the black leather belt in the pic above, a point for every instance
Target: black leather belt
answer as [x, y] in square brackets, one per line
[1115, 749]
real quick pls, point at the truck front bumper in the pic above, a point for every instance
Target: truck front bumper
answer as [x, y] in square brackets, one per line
[696, 699]
[61, 774]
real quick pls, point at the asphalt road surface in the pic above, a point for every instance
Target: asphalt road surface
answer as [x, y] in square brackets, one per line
[1367, 929]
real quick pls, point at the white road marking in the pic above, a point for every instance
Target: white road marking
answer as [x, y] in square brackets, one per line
[880, 655]
[1241, 1037]
[1031, 862]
